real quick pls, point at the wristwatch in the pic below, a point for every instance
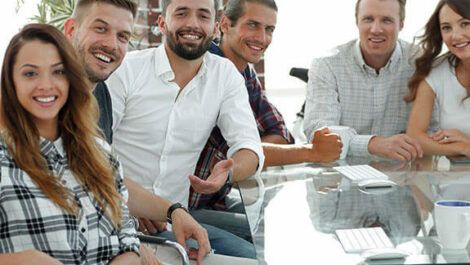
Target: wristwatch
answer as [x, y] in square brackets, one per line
[171, 209]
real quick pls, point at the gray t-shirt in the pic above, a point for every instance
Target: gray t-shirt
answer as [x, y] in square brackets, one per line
[105, 121]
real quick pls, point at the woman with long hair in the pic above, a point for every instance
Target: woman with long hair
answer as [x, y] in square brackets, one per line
[443, 80]
[62, 197]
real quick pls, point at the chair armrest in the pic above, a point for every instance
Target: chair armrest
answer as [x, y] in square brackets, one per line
[162, 241]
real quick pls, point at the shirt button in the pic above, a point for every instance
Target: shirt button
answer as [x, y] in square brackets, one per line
[83, 229]
[64, 182]
[163, 158]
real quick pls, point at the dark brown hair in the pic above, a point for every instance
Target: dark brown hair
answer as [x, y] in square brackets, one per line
[77, 127]
[431, 43]
[235, 9]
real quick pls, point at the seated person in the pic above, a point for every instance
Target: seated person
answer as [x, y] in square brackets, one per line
[363, 83]
[62, 192]
[102, 28]
[166, 101]
[444, 80]
[253, 21]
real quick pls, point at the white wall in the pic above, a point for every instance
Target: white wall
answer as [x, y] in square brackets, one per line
[307, 28]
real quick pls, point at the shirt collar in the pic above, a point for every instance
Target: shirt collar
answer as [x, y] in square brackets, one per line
[51, 149]
[394, 59]
[163, 67]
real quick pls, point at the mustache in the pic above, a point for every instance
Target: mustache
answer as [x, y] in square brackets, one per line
[110, 52]
[193, 31]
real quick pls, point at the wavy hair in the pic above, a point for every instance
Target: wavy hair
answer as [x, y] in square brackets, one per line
[431, 43]
[77, 126]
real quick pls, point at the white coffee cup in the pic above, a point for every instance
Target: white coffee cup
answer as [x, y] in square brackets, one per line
[346, 134]
[452, 219]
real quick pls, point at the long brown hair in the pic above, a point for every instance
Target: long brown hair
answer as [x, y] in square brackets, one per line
[431, 44]
[77, 127]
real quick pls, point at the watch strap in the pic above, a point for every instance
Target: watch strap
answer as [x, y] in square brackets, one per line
[172, 209]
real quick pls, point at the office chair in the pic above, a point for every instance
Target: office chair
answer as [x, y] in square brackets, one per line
[155, 240]
[302, 74]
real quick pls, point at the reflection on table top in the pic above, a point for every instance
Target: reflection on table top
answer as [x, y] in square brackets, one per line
[304, 204]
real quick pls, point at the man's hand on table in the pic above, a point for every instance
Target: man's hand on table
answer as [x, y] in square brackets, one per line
[326, 147]
[399, 147]
[215, 181]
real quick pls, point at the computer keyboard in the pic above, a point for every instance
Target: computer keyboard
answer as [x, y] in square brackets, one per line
[360, 172]
[361, 239]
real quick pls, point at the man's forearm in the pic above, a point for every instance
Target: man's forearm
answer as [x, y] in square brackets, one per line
[143, 203]
[245, 164]
[285, 154]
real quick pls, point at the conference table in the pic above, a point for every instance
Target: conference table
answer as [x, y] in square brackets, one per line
[294, 217]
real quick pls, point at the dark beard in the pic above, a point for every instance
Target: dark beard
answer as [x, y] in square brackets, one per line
[187, 51]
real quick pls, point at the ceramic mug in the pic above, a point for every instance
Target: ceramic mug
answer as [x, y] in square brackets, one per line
[452, 219]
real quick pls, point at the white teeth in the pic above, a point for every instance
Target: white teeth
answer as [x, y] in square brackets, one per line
[191, 37]
[461, 45]
[376, 40]
[102, 57]
[45, 100]
[255, 48]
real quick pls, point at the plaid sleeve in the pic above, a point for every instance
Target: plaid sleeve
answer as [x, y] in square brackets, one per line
[128, 241]
[268, 118]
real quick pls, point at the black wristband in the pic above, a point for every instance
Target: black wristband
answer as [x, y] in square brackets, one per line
[171, 209]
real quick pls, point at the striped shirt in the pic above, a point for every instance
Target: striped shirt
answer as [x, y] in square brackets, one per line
[343, 90]
[30, 220]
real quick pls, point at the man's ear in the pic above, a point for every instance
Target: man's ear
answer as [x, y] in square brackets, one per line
[225, 24]
[161, 24]
[216, 30]
[402, 24]
[70, 28]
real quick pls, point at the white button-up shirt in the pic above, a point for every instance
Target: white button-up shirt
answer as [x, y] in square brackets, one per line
[159, 135]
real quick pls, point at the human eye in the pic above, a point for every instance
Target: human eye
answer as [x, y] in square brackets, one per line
[388, 20]
[29, 73]
[270, 29]
[251, 24]
[465, 23]
[445, 28]
[100, 29]
[59, 71]
[123, 37]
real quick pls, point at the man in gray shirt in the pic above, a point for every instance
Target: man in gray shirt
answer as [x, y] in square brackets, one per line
[362, 84]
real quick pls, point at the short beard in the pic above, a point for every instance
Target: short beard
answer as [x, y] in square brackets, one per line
[191, 53]
[92, 75]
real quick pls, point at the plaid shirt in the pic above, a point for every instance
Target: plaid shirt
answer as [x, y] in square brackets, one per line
[343, 90]
[269, 122]
[29, 220]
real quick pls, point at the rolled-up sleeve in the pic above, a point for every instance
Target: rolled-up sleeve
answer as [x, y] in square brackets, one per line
[236, 120]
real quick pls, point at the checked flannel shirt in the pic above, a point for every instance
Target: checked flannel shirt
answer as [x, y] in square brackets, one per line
[30, 220]
[269, 122]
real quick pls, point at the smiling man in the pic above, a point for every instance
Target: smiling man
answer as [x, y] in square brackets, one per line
[167, 100]
[247, 29]
[363, 82]
[99, 31]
